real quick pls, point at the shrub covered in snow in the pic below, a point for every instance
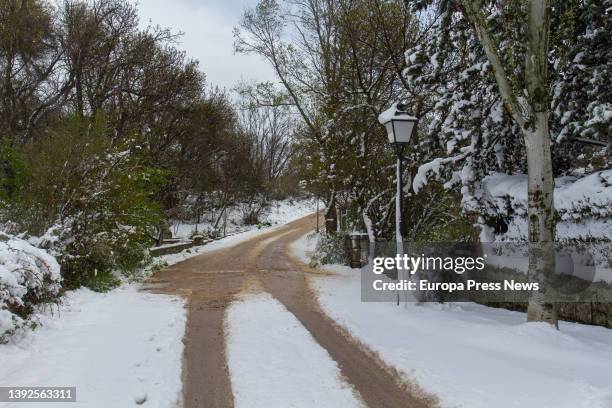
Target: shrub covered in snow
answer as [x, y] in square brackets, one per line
[28, 276]
[89, 197]
[330, 250]
[583, 204]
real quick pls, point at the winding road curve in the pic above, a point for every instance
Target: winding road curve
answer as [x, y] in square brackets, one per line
[210, 281]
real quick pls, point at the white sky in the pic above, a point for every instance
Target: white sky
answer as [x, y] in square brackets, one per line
[207, 26]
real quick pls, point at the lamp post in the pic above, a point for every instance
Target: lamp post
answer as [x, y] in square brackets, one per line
[399, 124]
[317, 215]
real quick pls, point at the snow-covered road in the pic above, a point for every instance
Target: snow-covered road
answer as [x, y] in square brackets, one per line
[125, 348]
[275, 362]
[119, 349]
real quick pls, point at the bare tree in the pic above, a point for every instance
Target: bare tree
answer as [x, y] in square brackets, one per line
[334, 66]
[271, 130]
[34, 81]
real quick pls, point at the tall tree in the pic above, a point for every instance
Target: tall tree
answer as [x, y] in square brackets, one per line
[530, 110]
[339, 70]
[509, 89]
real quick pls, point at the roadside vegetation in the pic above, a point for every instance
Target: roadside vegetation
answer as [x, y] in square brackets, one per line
[503, 91]
[109, 133]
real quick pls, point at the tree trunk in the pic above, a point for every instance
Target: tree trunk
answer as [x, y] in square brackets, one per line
[532, 118]
[541, 218]
[540, 208]
[219, 217]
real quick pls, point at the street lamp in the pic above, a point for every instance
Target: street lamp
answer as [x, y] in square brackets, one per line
[399, 124]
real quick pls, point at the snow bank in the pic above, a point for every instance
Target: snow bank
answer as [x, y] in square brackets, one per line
[27, 275]
[279, 212]
[474, 356]
[274, 361]
[285, 211]
[117, 348]
[305, 247]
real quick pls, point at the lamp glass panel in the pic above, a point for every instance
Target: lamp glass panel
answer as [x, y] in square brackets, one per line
[403, 130]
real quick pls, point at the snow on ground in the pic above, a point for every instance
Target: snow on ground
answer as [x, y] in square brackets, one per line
[274, 361]
[222, 243]
[280, 212]
[118, 349]
[473, 356]
[286, 212]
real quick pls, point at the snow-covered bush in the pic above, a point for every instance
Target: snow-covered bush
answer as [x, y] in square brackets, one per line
[330, 250]
[487, 148]
[583, 205]
[91, 199]
[28, 275]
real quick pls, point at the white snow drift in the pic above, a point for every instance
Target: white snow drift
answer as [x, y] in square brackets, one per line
[279, 212]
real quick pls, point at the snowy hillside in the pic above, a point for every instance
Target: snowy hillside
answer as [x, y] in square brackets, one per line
[279, 212]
